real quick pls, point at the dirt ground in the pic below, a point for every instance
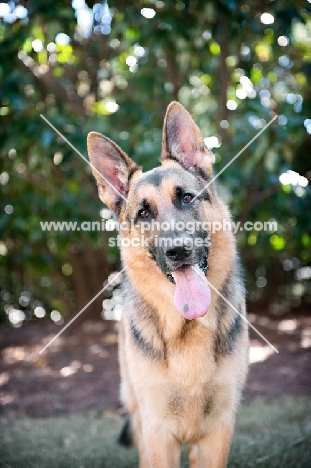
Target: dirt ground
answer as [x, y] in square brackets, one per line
[79, 371]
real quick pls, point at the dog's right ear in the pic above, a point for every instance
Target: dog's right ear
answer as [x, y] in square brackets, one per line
[112, 169]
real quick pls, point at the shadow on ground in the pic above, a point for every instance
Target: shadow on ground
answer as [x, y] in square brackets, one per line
[79, 371]
[60, 408]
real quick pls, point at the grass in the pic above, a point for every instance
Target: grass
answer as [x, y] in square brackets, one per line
[269, 434]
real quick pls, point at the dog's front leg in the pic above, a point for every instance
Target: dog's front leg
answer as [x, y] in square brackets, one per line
[213, 449]
[161, 451]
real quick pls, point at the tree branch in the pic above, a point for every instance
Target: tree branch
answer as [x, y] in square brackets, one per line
[223, 72]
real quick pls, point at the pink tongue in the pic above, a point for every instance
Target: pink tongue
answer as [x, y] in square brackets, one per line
[192, 293]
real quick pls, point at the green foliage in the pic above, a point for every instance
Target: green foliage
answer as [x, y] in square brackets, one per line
[205, 54]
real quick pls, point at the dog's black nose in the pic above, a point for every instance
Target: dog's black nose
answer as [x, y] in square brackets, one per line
[178, 253]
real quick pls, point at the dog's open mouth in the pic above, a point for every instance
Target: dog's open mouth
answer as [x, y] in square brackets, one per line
[192, 296]
[203, 266]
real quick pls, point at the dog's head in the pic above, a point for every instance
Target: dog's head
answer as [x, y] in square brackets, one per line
[165, 213]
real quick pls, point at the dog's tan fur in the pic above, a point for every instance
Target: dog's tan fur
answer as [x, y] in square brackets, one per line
[188, 390]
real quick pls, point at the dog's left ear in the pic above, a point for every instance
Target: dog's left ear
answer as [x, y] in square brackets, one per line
[183, 142]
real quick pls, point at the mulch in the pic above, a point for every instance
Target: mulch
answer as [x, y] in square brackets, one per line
[79, 371]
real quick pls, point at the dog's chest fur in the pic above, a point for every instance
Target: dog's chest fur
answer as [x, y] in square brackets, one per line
[180, 389]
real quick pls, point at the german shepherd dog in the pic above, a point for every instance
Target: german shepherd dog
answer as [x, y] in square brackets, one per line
[183, 351]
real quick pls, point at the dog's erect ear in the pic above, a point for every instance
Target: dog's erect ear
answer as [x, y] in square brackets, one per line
[112, 169]
[182, 140]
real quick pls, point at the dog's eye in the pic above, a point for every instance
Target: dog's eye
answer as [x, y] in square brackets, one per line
[188, 197]
[142, 213]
